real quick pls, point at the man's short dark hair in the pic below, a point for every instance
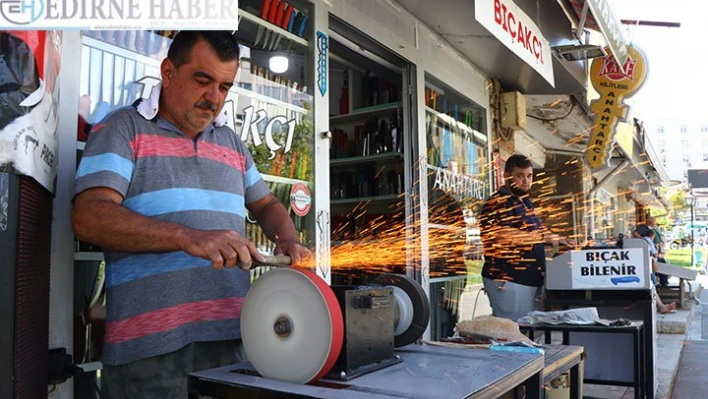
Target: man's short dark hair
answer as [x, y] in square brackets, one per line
[517, 161]
[223, 42]
[648, 233]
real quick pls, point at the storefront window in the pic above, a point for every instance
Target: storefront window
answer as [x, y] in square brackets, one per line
[458, 168]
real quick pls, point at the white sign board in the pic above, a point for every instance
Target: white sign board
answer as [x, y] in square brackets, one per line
[505, 20]
[608, 268]
[119, 15]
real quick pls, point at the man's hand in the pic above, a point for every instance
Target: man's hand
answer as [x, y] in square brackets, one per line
[566, 242]
[296, 251]
[221, 247]
[555, 240]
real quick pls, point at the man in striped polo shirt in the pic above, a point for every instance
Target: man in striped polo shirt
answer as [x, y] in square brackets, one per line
[163, 187]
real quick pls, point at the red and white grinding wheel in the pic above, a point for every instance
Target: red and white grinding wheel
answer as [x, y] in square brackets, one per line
[292, 326]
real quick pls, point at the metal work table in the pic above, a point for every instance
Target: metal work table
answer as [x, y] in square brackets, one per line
[596, 353]
[425, 372]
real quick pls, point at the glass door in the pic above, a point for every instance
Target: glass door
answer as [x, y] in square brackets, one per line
[458, 168]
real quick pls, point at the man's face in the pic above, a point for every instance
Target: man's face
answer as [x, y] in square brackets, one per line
[520, 179]
[651, 222]
[194, 93]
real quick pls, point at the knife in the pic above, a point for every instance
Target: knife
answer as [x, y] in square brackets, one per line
[259, 35]
[277, 42]
[286, 18]
[303, 23]
[266, 9]
[273, 10]
[272, 261]
[293, 17]
[275, 20]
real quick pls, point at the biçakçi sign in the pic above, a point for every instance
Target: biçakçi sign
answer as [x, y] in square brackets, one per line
[508, 23]
[608, 268]
[119, 14]
[614, 83]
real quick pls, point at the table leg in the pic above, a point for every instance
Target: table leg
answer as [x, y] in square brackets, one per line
[534, 386]
[638, 365]
[682, 293]
[575, 382]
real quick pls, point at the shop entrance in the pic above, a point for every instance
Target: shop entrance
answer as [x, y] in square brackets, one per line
[369, 110]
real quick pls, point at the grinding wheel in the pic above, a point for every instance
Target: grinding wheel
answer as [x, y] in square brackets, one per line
[412, 308]
[291, 325]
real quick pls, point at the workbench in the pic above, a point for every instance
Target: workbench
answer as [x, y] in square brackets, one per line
[429, 372]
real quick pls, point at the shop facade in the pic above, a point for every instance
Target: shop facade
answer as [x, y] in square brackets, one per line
[381, 135]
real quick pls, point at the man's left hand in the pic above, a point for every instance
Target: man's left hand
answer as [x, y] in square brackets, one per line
[296, 251]
[566, 242]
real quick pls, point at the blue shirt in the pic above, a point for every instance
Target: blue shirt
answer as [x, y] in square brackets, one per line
[520, 261]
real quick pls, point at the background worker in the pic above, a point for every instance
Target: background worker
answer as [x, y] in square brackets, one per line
[514, 238]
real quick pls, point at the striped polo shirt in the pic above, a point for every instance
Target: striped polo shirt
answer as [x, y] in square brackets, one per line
[159, 302]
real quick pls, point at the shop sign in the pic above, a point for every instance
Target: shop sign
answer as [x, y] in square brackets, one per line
[458, 183]
[614, 83]
[608, 268]
[252, 119]
[611, 29]
[119, 15]
[322, 46]
[508, 23]
[300, 199]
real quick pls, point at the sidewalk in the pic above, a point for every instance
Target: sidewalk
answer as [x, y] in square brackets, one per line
[674, 329]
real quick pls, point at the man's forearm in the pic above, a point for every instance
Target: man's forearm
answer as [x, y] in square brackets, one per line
[277, 224]
[114, 227]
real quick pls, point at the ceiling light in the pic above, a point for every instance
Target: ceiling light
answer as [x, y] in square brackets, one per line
[278, 63]
[578, 52]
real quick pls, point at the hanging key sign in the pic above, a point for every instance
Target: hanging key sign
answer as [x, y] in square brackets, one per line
[614, 83]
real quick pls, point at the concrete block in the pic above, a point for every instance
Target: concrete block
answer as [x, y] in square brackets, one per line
[674, 323]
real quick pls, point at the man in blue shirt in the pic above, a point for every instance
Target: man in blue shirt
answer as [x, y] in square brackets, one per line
[514, 238]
